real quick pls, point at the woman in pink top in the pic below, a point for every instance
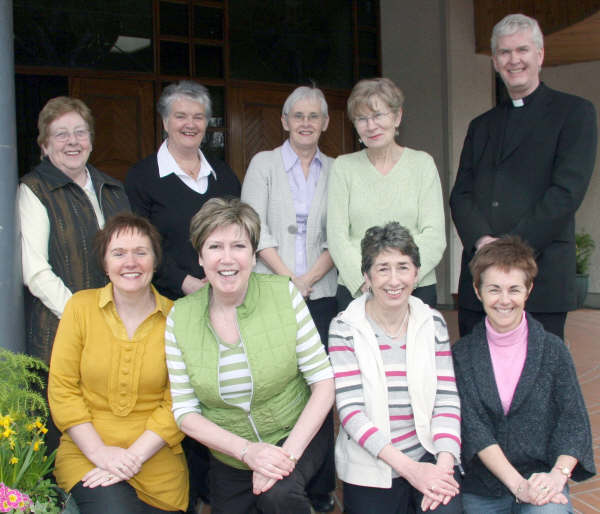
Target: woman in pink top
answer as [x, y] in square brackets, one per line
[525, 428]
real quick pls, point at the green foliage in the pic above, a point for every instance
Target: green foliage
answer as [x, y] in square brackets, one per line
[20, 383]
[24, 464]
[584, 248]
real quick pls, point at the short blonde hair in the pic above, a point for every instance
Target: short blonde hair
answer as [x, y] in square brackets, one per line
[363, 94]
[57, 107]
[222, 212]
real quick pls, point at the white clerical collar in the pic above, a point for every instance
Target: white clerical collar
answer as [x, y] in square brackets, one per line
[518, 102]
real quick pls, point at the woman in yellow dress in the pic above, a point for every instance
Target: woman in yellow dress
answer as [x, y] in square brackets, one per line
[109, 390]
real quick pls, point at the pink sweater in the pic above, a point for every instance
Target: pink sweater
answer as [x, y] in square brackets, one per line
[508, 351]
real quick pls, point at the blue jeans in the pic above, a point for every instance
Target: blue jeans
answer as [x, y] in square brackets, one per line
[475, 504]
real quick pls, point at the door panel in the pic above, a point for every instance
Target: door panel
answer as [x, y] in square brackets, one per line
[124, 118]
[255, 123]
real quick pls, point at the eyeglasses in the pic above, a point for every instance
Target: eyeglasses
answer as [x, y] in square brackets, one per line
[378, 118]
[65, 135]
[313, 117]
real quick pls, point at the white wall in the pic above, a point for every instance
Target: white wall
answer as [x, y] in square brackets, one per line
[428, 50]
[583, 80]
[471, 93]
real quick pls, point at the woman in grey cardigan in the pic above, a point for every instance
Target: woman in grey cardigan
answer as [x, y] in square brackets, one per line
[287, 186]
[525, 428]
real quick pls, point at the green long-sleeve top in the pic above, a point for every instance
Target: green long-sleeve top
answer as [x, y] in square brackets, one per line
[361, 197]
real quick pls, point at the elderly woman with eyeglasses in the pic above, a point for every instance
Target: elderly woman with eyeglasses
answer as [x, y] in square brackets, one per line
[287, 187]
[170, 186]
[62, 203]
[383, 182]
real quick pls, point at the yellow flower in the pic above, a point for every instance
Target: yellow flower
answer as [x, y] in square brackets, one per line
[14, 460]
[11, 443]
[36, 445]
[30, 427]
[43, 430]
[38, 423]
[8, 432]
[5, 421]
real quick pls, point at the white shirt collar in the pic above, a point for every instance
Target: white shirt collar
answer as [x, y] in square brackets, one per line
[167, 164]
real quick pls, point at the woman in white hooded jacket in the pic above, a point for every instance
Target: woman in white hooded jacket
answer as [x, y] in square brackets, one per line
[399, 410]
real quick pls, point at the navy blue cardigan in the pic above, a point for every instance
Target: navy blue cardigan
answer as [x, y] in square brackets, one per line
[547, 417]
[170, 205]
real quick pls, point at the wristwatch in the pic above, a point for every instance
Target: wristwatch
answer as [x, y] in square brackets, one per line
[565, 470]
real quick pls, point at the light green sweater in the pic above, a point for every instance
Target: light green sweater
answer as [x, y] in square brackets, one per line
[361, 197]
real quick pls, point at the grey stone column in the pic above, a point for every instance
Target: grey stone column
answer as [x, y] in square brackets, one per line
[11, 290]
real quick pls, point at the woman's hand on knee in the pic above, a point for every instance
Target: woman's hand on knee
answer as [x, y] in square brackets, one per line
[269, 460]
[99, 477]
[261, 483]
[545, 487]
[118, 461]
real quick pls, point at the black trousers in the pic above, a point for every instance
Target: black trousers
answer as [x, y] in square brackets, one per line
[231, 488]
[553, 322]
[396, 500]
[426, 293]
[323, 311]
[114, 499]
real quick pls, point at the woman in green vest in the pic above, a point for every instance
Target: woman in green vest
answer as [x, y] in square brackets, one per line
[249, 375]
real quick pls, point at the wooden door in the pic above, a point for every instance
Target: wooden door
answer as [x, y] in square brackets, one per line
[124, 118]
[255, 122]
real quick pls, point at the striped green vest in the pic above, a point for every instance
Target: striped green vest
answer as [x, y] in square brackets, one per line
[267, 326]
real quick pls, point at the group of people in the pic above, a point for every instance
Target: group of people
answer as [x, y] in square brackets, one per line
[210, 321]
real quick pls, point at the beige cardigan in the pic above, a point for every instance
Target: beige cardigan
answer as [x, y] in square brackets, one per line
[266, 188]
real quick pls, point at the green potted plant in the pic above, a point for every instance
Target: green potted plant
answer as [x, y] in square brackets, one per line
[24, 464]
[584, 248]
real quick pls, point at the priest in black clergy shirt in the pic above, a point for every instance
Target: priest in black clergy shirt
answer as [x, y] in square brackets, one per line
[524, 170]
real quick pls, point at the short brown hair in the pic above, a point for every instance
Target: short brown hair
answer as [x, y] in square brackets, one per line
[364, 91]
[506, 253]
[127, 222]
[57, 107]
[221, 212]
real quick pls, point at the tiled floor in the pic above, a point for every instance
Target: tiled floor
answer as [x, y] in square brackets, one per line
[583, 338]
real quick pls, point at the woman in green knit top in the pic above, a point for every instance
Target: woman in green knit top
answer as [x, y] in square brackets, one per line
[383, 182]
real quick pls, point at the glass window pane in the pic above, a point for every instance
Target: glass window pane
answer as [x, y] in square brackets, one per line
[367, 45]
[367, 71]
[367, 12]
[208, 23]
[217, 97]
[213, 144]
[293, 42]
[174, 58]
[32, 92]
[99, 34]
[173, 19]
[209, 61]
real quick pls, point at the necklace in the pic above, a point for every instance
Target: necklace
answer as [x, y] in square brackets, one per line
[399, 332]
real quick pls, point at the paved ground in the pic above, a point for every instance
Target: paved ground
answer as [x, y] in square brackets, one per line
[583, 338]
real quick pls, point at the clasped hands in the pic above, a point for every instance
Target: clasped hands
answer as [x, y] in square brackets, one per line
[269, 464]
[435, 481]
[543, 488]
[113, 464]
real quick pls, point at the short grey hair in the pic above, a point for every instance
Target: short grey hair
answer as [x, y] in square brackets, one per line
[513, 23]
[183, 89]
[305, 93]
[391, 236]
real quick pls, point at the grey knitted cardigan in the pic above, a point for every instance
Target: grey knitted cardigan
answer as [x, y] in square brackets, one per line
[547, 417]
